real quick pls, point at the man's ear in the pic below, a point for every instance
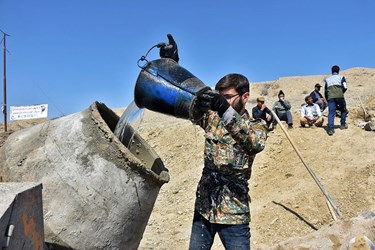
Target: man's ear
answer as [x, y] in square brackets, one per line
[245, 97]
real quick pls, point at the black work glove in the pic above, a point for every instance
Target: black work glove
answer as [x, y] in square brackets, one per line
[169, 50]
[211, 100]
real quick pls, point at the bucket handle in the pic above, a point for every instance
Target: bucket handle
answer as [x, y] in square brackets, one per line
[155, 73]
[143, 58]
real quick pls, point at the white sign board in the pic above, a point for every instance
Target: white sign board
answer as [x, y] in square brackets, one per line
[28, 112]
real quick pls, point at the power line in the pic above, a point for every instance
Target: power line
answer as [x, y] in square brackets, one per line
[62, 113]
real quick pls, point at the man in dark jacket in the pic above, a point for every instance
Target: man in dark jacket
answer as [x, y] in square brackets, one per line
[318, 98]
[263, 112]
[334, 89]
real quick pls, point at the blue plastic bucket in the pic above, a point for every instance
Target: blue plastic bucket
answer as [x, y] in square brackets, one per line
[166, 87]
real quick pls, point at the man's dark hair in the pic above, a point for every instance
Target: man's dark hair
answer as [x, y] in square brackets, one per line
[236, 81]
[307, 97]
[335, 69]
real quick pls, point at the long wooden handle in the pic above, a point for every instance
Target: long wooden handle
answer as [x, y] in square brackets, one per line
[365, 114]
[316, 179]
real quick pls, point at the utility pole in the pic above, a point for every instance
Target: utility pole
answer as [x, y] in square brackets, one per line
[5, 82]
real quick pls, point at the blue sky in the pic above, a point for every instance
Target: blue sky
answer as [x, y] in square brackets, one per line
[70, 53]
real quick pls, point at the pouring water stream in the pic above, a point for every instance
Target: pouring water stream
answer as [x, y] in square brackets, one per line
[129, 124]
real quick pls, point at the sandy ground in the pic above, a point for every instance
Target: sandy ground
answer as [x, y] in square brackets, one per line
[286, 202]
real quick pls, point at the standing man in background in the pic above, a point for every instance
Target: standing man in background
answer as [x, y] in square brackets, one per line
[334, 89]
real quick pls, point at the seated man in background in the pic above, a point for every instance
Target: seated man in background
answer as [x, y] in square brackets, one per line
[318, 98]
[263, 112]
[282, 109]
[311, 114]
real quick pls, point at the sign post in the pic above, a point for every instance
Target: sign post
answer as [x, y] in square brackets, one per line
[5, 83]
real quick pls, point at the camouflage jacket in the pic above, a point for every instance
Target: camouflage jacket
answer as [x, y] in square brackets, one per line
[230, 149]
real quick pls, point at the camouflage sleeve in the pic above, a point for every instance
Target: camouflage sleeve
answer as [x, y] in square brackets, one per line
[251, 134]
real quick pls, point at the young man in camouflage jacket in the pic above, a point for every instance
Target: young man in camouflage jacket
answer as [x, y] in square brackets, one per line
[232, 141]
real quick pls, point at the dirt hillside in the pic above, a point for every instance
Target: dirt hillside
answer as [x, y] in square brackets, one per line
[286, 202]
[280, 184]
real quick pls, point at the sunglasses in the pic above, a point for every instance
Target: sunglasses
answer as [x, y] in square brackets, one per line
[229, 96]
